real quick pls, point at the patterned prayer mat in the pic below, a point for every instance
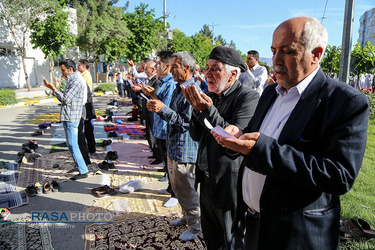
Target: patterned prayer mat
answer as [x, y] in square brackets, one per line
[41, 170]
[134, 128]
[51, 117]
[133, 205]
[9, 196]
[124, 103]
[25, 236]
[133, 156]
[149, 232]
[54, 117]
[59, 136]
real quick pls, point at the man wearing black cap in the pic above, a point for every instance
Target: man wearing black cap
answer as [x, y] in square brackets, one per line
[228, 102]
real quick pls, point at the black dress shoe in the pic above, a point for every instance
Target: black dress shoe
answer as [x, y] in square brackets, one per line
[156, 161]
[78, 176]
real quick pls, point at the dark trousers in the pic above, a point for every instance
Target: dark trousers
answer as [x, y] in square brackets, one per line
[217, 223]
[163, 152]
[89, 134]
[252, 231]
[151, 139]
[82, 142]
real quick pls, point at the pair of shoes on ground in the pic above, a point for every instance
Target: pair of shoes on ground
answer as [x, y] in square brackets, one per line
[38, 132]
[32, 144]
[79, 176]
[106, 142]
[189, 234]
[107, 165]
[103, 191]
[112, 134]
[4, 213]
[354, 229]
[37, 188]
[157, 161]
[111, 155]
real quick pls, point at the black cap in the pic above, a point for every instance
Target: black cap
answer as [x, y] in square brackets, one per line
[229, 56]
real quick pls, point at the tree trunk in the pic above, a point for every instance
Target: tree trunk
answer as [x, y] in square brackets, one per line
[358, 85]
[26, 75]
[51, 75]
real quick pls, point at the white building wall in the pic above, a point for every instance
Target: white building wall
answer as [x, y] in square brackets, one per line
[12, 73]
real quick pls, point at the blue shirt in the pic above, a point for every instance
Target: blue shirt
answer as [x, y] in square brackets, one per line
[180, 146]
[72, 99]
[164, 94]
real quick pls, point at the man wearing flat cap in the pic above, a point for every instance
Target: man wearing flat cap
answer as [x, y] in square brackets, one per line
[228, 102]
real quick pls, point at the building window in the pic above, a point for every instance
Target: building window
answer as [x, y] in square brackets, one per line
[9, 52]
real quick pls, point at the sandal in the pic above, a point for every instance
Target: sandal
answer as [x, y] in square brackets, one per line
[365, 227]
[351, 231]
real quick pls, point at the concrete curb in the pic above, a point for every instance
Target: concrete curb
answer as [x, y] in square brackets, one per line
[49, 100]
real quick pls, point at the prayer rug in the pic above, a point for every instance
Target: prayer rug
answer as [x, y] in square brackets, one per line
[125, 103]
[41, 170]
[130, 128]
[59, 136]
[149, 232]
[25, 236]
[133, 205]
[54, 117]
[133, 156]
[51, 117]
[10, 197]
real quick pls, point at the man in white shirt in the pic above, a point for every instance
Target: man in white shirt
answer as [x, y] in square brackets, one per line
[256, 76]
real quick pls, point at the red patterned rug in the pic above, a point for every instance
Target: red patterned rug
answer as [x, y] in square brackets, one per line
[130, 128]
[148, 232]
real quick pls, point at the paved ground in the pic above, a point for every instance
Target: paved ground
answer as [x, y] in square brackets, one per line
[73, 196]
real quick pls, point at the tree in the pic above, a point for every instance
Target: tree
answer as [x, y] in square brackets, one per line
[364, 59]
[331, 59]
[220, 41]
[18, 15]
[205, 31]
[146, 32]
[201, 49]
[100, 24]
[52, 35]
[180, 42]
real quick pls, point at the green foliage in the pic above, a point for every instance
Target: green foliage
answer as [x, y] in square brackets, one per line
[104, 87]
[102, 29]
[371, 100]
[331, 60]
[200, 44]
[52, 35]
[7, 97]
[18, 15]
[205, 31]
[359, 202]
[146, 33]
[362, 58]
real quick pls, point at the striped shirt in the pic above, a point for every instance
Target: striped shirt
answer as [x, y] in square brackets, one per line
[180, 146]
[164, 94]
[72, 98]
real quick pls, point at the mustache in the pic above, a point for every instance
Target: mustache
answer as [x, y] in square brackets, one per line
[280, 68]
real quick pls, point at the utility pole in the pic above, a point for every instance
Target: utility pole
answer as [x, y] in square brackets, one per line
[213, 32]
[346, 41]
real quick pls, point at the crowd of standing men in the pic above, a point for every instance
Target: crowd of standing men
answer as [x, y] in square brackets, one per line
[295, 140]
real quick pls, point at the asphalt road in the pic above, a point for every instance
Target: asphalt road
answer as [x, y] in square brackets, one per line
[73, 195]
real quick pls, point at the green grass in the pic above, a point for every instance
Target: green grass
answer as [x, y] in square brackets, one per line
[359, 202]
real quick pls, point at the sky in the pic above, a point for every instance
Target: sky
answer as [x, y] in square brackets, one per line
[250, 24]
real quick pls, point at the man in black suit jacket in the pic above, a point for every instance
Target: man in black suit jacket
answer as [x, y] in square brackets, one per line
[303, 147]
[228, 102]
[150, 70]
